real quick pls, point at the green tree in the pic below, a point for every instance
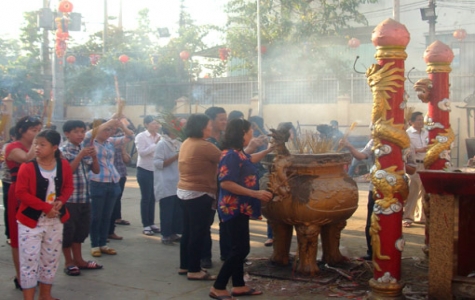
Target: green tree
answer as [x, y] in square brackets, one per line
[158, 66]
[296, 33]
[20, 66]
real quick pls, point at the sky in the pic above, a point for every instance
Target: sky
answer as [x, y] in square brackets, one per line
[163, 13]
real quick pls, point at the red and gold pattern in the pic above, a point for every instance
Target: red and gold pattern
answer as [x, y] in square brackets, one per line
[386, 80]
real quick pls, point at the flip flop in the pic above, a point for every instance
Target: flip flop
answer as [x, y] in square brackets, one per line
[207, 276]
[91, 265]
[251, 292]
[72, 271]
[223, 297]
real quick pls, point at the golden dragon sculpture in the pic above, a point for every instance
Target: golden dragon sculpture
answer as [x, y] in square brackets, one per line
[384, 80]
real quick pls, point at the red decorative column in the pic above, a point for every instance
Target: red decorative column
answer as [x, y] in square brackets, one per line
[438, 57]
[386, 80]
[435, 91]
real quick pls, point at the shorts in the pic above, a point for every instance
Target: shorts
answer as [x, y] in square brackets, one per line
[76, 229]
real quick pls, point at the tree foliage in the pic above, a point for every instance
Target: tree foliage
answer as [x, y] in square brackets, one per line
[148, 62]
[20, 65]
[293, 31]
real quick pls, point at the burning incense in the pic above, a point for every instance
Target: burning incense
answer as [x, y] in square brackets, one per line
[120, 101]
[95, 128]
[347, 133]
[4, 121]
[50, 113]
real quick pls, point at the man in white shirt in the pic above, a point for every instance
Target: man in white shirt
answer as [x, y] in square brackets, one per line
[419, 141]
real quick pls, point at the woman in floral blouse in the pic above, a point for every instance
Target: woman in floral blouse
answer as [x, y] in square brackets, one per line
[239, 200]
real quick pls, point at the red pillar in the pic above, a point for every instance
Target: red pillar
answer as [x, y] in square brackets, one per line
[386, 80]
[435, 92]
[438, 57]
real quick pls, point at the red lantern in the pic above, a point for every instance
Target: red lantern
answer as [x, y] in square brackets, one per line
[263, 49]
[223, 53]
[460, 34]
[354, 43]
[123, 58]
[94, 58]
[71, 59]
[184, 55]
[65, 6]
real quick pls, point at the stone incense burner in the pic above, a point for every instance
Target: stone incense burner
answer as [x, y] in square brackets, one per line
[312, 193]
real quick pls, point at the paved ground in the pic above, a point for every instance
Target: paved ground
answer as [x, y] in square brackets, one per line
[146, 269]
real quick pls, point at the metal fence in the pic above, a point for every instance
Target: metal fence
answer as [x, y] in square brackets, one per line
[315, 89]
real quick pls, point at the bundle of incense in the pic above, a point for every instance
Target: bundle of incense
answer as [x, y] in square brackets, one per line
[301, 143]
[95, 127]
[4, 121]
[347, 133]
[258, 129]
[120, 102]
[50, 113]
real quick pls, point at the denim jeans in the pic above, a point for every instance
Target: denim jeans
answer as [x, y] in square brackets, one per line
[147, 202]
[103, 198]
[171, 216]
[116, 212]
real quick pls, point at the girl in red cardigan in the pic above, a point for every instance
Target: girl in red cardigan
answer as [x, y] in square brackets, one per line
[43, 186]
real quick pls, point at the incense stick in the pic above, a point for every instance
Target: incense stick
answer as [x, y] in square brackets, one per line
[347, 133]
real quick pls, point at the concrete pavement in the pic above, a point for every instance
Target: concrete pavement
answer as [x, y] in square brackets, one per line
[144, 268]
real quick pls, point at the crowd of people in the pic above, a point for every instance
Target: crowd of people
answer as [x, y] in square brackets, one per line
[58, 191]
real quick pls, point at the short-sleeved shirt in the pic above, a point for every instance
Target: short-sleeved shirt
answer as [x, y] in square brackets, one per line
[14, 166]
[80, 177]
[105, 156]
[236, 166]
[418, 140]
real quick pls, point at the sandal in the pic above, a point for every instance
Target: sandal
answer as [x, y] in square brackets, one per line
[206, 276]
[96, 252]
[148, 232]
[182, 271]
[223, 297]
[107, 250]
[250, 292]
[122, 222]
[406, 224]
[91, 265]
[72, 271]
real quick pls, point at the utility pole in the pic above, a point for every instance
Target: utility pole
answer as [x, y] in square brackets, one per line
[432, 22]
[47, 73]
[104, 32]
[259, 61]
[396, 10]
[120, 15]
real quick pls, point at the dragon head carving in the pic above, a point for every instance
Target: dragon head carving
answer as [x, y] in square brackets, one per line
[423, 87]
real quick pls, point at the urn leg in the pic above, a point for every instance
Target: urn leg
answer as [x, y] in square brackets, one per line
[307, 236]
[331, 234]
[282, 240]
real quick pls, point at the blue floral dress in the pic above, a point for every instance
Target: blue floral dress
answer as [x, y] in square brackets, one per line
[236, 166]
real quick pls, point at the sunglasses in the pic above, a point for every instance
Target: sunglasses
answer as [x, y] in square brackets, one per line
[30, 119]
